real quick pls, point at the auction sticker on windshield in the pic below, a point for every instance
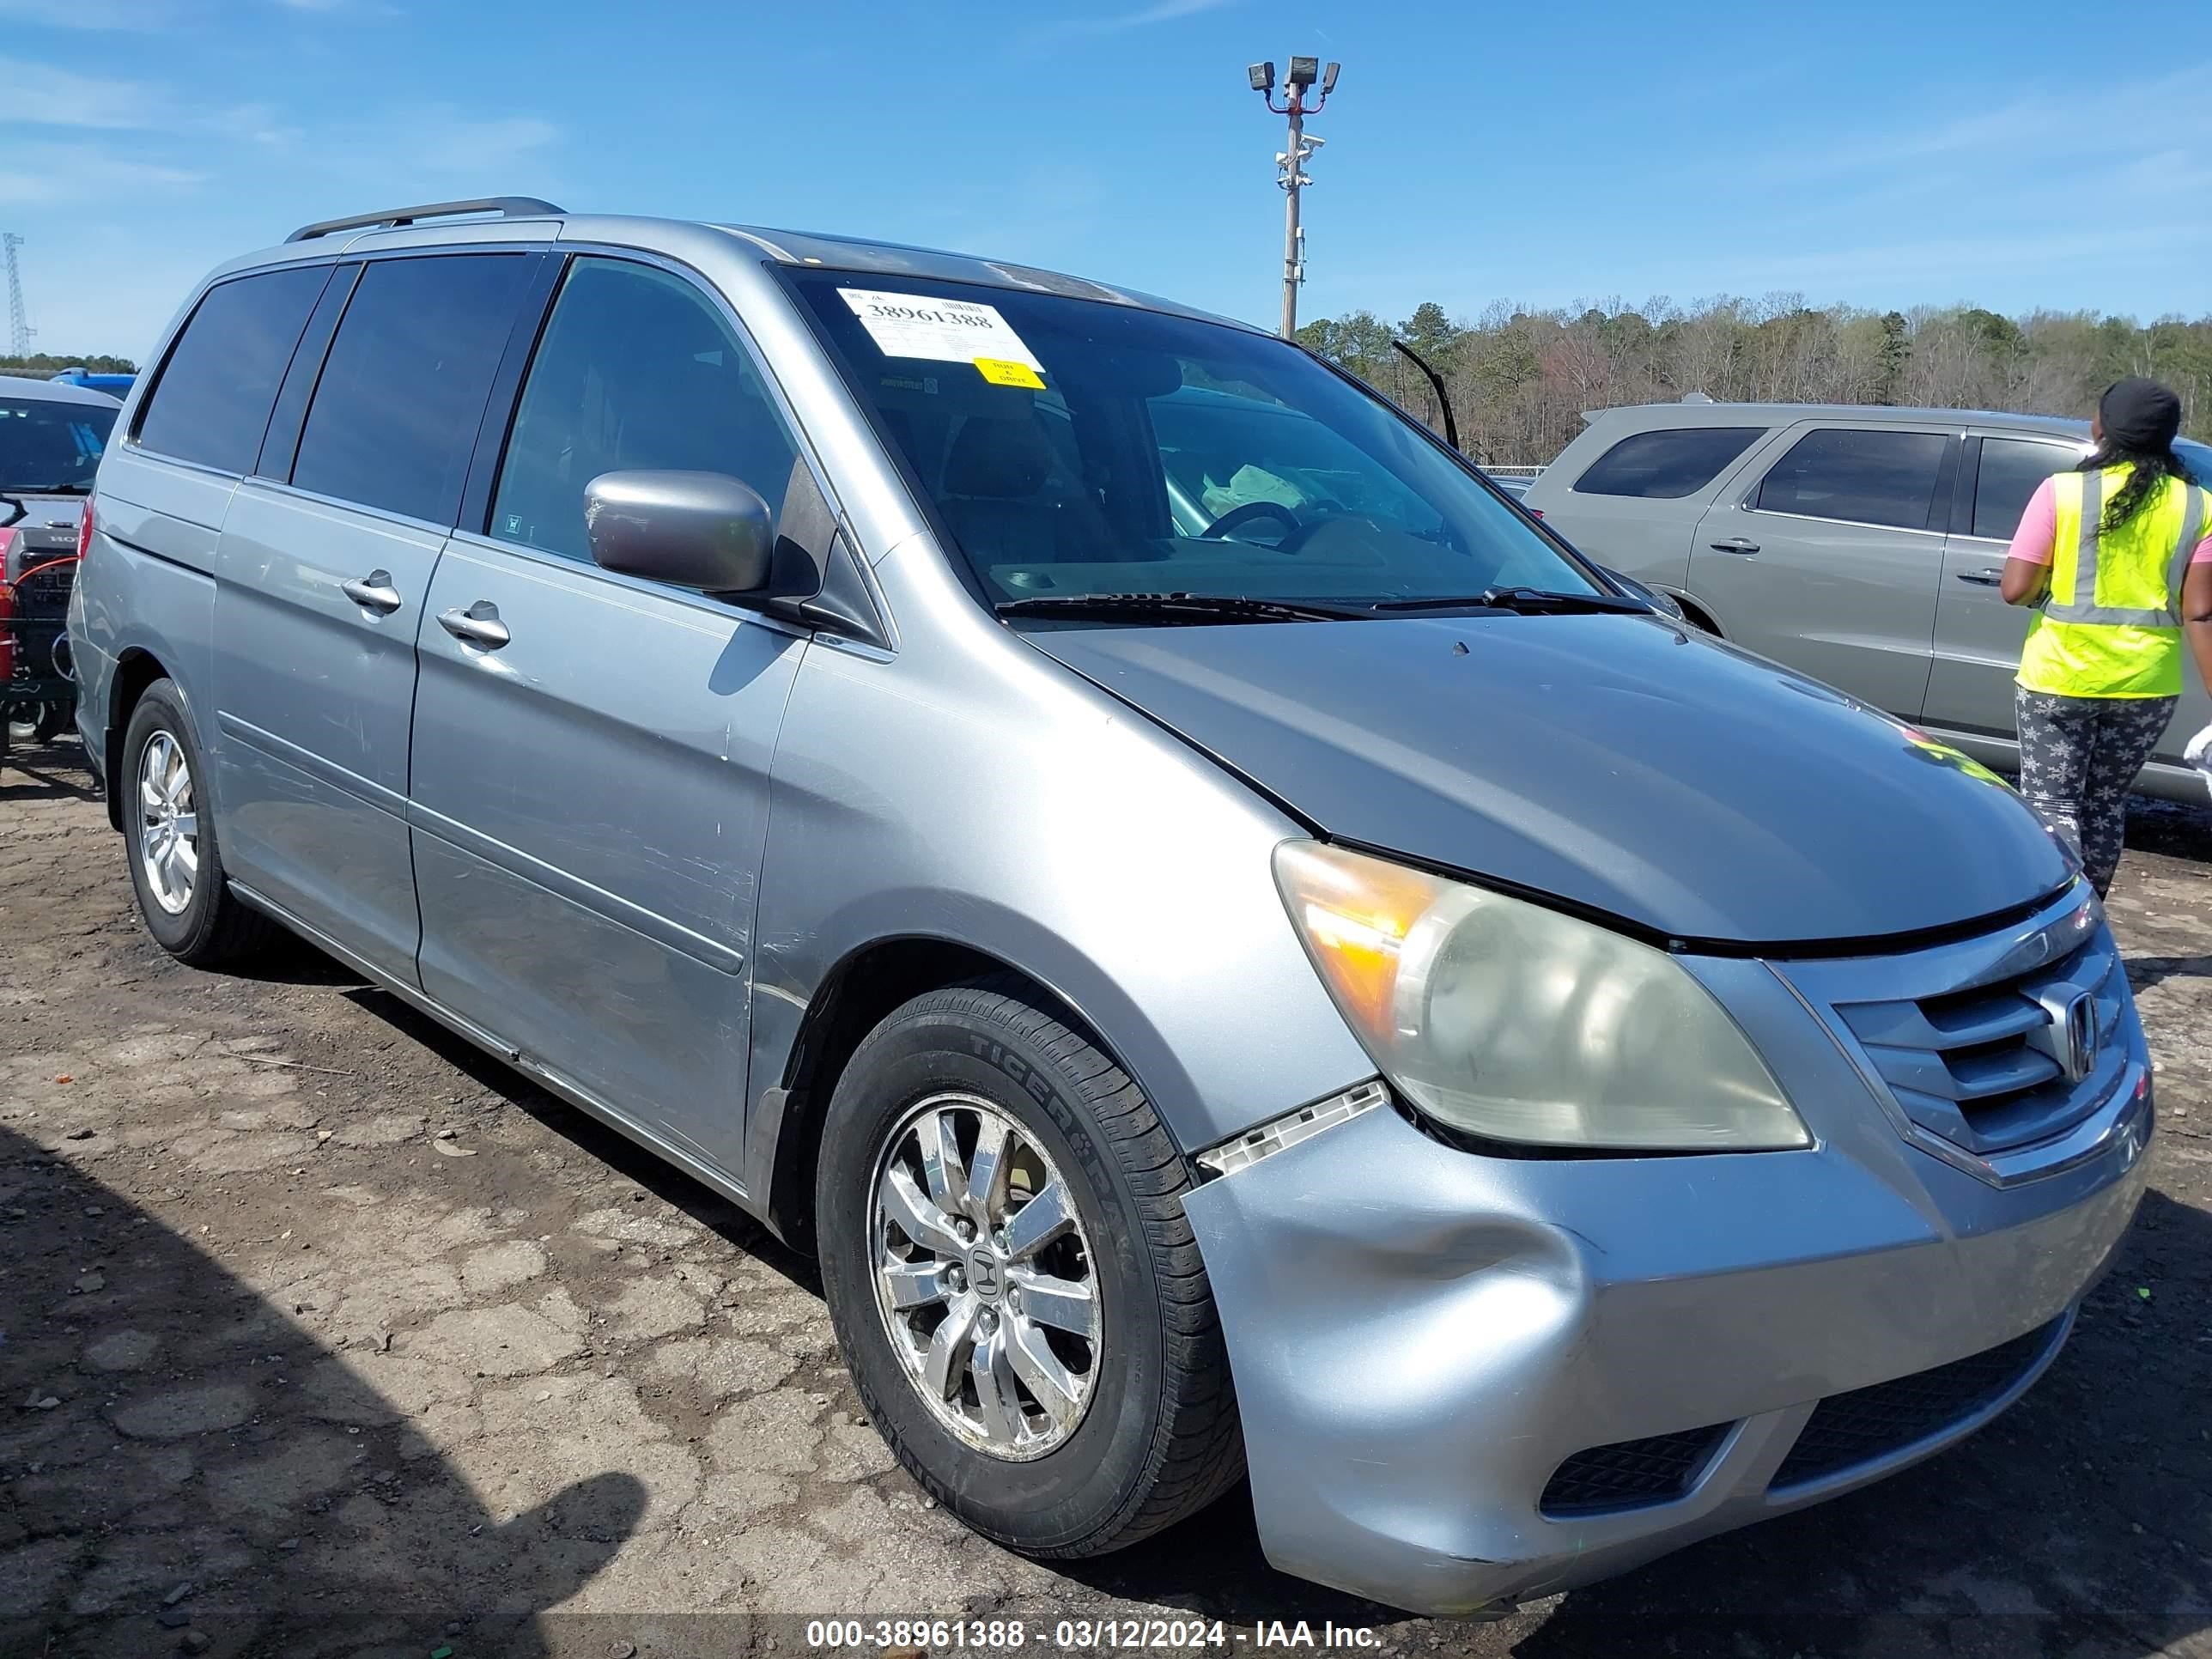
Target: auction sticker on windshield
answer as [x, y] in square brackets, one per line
[943, 330]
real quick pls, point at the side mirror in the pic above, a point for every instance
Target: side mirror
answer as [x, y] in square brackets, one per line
[702, 530]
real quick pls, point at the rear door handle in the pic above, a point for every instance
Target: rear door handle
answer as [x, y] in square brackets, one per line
[1981, 578]
[373, 592]
[479, 625]
[1734, 544]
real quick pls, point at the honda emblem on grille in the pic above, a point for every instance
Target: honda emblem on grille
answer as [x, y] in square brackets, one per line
[2078, 1041]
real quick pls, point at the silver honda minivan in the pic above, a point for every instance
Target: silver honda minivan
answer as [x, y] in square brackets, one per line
[1236, 948]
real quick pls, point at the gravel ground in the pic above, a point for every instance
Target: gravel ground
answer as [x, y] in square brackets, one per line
[322, 1334]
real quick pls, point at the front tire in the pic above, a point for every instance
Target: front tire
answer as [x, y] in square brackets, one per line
[1059, 1382]
[176, 867]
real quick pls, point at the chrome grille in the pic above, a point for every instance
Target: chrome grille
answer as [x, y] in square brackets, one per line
[1982, 1067]
[1970, 1041]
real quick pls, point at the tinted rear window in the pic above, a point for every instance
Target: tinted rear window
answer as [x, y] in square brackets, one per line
[1866, 478]
[396, 411]
[46, 444]
[211, 405]
[1665, 465]
[2011, 470]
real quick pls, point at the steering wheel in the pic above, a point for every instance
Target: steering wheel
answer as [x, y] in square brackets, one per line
[1237, 517]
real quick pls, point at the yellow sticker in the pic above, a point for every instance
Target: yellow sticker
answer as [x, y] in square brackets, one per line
[999, 372]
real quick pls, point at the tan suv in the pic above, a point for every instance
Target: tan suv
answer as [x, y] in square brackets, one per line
[1861, 545]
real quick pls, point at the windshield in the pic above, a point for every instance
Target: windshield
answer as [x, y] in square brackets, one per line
[1077, 446]
[50, 447]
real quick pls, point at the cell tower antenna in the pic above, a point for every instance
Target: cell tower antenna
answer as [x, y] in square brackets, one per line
[19, 327]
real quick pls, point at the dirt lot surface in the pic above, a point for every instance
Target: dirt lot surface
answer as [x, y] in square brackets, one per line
[324, 1334]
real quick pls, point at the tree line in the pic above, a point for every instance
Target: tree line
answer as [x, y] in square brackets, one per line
[40, 364]
[1520, 380]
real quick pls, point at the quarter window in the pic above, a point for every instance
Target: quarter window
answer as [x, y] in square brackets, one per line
[636, 370]
[1668, 464]
[1863, 477]
[212, 401]
[403, 390]
[2010, 471]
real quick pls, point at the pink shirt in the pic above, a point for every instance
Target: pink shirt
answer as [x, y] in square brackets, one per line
[2039, 531]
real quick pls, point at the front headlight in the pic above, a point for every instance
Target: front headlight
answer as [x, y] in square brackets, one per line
[1516, 1023]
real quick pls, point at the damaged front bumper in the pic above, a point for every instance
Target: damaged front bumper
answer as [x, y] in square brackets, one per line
[1428, 1343]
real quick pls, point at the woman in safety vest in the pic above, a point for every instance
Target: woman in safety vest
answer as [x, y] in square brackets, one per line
[2116, 556]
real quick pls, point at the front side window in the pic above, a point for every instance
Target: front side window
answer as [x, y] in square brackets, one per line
[212, 401]
[1666, 465]
[636, 370]
[1072, 446]
[2011, 469]
[403, 390]
[1862, 476]
[48, 447]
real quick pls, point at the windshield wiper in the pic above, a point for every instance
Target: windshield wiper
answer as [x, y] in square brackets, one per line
[1177, 608]
[46, 490]
[1526, 602]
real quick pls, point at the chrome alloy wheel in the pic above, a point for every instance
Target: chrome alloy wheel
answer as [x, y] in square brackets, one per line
[168, 824]
[984, 1277]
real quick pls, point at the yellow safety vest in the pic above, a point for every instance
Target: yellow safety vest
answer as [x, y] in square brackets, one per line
[2112, 625]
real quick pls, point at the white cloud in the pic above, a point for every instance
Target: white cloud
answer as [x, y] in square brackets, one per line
[1162, 11]
[444, 140]
[1165, 12]
[92, 14]
[75, 173]
[41, 94]
[2127, 116]
[46, 95]
[121, 16]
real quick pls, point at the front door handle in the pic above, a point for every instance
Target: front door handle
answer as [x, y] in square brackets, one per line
[1982, 578]
[373, 592]
[1734, 545]
[479, 625]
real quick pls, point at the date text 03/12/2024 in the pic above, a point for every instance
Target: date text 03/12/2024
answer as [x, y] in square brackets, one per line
[917, 1636]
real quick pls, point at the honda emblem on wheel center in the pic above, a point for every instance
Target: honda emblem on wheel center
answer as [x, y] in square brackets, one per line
[983, 1273]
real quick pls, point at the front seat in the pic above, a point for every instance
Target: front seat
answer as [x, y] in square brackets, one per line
[997, 499]
[992, 479]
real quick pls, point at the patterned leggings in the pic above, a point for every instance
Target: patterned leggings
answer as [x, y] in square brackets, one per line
[2078, 759]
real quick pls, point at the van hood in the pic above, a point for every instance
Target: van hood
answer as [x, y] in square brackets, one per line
[1616, 763]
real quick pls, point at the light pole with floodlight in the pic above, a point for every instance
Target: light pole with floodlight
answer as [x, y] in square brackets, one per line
[1305, 73]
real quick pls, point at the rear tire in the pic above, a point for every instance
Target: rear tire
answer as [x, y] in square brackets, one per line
[168, 827]
[1155, 1436]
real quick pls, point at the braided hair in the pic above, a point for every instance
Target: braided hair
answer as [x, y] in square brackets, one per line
[2140, 419]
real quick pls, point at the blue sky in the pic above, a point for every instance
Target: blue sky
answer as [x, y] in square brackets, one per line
[1878, 154]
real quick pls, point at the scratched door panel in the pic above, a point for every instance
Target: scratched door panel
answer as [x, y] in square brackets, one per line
[590, 805]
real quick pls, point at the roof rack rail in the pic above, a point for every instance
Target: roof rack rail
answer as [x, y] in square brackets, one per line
[507, 207]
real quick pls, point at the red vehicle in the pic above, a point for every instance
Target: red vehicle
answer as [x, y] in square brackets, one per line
[52, 436]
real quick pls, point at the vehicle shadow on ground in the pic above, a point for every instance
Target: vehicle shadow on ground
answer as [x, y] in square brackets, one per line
[657, 1175]
[2173, 828]
[50, 773]
[2144, 972]
[180, 1455]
